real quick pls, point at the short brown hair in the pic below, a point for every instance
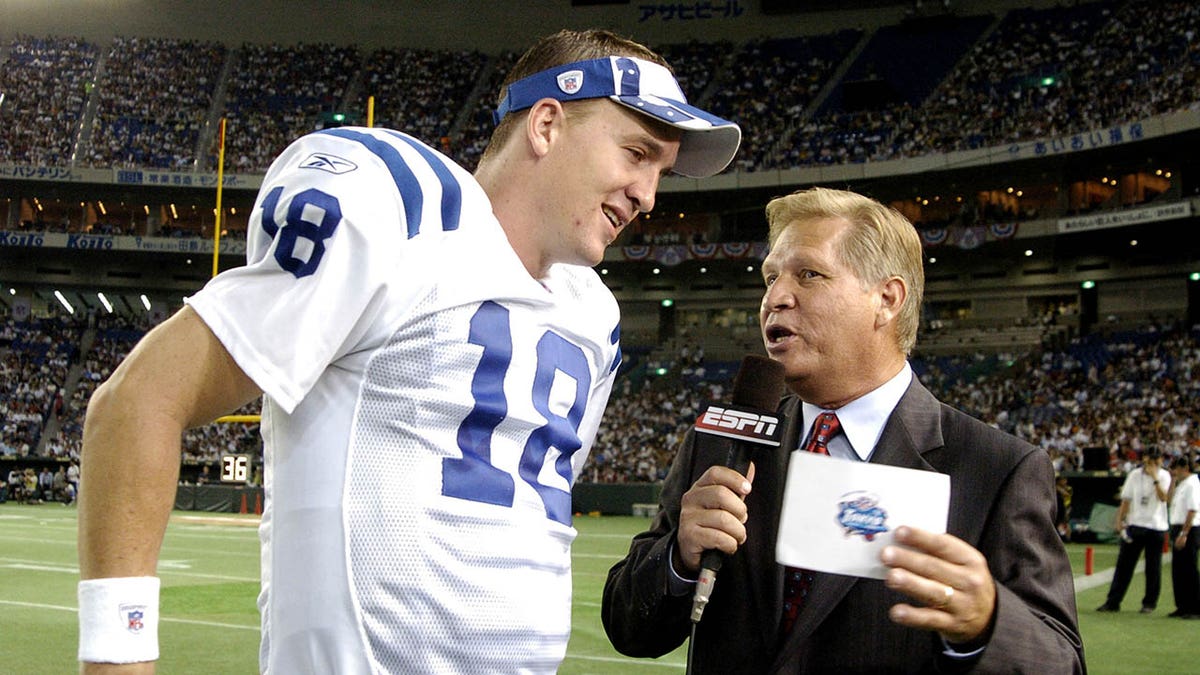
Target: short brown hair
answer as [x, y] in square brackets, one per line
[882, 243]
[565, 46]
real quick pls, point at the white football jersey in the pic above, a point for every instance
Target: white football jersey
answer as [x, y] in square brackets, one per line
[427, 408]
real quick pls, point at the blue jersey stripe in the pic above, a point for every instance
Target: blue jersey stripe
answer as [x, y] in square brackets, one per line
[406, 180]
[616, 340]
[451, 190]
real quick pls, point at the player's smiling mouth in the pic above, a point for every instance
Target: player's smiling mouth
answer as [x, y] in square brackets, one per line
[613, 217]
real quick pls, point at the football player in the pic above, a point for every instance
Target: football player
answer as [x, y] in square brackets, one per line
[434, 354]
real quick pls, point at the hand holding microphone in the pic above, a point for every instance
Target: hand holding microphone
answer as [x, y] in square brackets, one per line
[730, 434]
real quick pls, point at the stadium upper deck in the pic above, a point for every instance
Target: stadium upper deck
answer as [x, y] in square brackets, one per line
[919, 87]
[996, 130]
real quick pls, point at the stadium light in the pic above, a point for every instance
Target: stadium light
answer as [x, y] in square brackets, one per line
[1194, 276]
[63, 299]
[104, 301]
[1088, 284]
[667, 302]
[145, 302]
[332, 120]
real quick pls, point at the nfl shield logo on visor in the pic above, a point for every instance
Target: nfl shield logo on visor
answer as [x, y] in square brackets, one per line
[571, 81]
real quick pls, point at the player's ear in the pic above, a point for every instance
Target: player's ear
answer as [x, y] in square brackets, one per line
[544, 125]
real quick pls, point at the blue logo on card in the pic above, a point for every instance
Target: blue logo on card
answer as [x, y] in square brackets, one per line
[859, 513]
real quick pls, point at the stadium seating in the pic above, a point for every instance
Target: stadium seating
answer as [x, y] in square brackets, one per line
[925, 86]
[845, 97]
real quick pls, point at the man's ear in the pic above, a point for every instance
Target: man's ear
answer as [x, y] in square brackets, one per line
[544, 125]
[891, 300]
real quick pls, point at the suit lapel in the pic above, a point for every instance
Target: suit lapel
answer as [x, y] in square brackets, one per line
[769, 593]
[912, 429]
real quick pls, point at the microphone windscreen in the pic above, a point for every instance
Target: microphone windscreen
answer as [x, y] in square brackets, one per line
[759, 383]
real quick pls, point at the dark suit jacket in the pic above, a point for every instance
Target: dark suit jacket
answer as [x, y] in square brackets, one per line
[1001, 502]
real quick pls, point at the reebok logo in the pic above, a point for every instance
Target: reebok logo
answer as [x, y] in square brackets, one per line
[330, 163]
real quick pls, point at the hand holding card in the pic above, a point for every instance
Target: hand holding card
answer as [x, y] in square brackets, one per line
[838, 515]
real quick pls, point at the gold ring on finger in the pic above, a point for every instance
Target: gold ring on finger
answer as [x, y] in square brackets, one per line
[947, 595]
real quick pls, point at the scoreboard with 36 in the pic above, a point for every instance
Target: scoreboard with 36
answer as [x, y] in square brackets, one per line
[235, 468]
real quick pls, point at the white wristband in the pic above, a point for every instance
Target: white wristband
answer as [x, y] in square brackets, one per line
[118, 620]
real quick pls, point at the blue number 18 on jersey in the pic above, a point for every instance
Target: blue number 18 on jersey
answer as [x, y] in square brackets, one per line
[473, 476]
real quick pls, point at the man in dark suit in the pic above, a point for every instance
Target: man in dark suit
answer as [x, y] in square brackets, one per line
[844, 281]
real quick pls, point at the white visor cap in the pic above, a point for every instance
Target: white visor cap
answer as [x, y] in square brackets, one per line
[708, 143]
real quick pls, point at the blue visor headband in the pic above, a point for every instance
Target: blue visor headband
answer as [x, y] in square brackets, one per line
[709, 142]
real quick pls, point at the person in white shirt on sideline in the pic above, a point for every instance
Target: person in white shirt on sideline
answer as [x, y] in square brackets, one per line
[1185, 538]
[1142, 522]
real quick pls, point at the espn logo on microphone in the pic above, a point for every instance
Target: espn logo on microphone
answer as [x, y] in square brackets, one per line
[744, 425]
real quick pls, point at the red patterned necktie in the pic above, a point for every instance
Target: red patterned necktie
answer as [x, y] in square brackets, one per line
[796, 581]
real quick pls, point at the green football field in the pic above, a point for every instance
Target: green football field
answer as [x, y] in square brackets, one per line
[209, 569]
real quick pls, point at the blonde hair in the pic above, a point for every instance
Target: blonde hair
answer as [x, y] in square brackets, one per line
[565, 46]
[880, 244]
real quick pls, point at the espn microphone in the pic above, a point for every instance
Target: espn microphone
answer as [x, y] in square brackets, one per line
[749, 422]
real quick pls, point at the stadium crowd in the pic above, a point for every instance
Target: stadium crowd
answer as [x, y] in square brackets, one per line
[49, 369]
[1039, 73]
[160, 130]
[1035, 76]
[46, 83]
[34, 361]
[1120, 390]
[420, 91]
[1027, 74]
[275, 94]
[769, 86]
